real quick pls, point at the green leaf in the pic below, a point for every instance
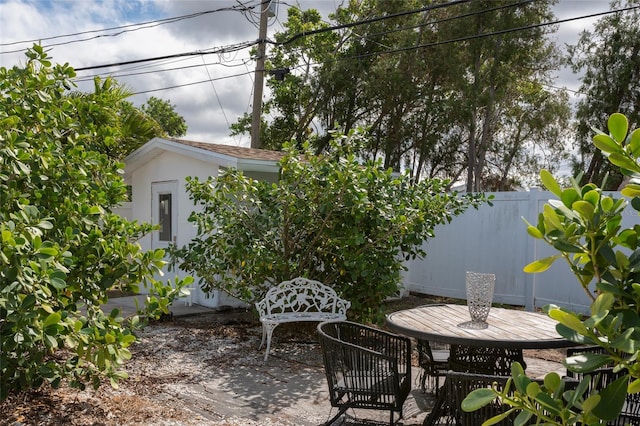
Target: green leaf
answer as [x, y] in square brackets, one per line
[618, 126]
[603, 303]
[634, 143]
[584, 209]
[623, 161]
[590, 403]
[569, 320]
[631, 190]
[586, 362]
[541, 265]
[534, 232]
[564, 246]
[522, 418]
[550, 182]
[478, 398]
[613, 397]
[548, 403]
[634, 386]
[498, 418]
[606, 143]
[51, 319]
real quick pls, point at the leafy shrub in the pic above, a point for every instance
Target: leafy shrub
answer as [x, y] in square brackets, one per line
[61, 247]
[332, 217]
[584, 226]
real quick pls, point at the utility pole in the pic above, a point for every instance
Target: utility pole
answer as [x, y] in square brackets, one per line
[259, 77]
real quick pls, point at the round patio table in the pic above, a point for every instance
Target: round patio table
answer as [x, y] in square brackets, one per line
[507, 328]
[508, 332]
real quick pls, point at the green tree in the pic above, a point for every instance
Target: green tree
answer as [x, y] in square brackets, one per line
[61, 246]
[163, 112]
[436, 108]
[584, 226]
[609, 58]
[129, 127]
[345, 222]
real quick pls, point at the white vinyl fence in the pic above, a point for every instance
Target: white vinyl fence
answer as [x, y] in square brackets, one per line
[494, 239]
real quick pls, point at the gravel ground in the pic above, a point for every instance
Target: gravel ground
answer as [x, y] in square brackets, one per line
[207, 370]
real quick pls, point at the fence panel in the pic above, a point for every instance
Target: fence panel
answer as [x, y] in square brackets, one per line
[494, 239]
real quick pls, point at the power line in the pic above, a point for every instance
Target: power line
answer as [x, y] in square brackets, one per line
[140, 26]
[191, 84]
[226, 49]
[118, 75]
[360, 56]
[244, 45]
[468, 38]
[369, 21]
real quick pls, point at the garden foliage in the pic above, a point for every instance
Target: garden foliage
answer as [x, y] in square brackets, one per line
[335, 218]
[584, 225]
[61, 246]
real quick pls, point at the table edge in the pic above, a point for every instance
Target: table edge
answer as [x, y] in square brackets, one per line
[475, 341]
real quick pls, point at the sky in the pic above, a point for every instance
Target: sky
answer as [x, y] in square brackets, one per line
[210, 91]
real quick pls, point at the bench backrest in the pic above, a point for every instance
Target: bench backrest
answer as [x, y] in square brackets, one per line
[301, 295]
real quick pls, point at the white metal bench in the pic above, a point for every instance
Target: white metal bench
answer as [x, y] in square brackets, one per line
[299, 299]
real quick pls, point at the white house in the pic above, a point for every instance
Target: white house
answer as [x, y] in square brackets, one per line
[156, 173]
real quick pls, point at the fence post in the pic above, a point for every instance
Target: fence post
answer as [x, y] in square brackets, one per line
[531, 252]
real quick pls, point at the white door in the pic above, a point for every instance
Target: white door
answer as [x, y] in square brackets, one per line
[164, 212]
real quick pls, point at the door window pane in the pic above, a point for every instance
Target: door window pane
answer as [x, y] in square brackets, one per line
[164, 217]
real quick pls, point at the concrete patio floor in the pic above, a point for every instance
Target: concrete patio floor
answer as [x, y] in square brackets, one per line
[286, 387]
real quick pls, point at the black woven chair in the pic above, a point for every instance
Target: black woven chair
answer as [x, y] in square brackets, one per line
[366, 368]
[434, 362]
[457, 386]
[476, 362]
[481, 360]
[600, 378]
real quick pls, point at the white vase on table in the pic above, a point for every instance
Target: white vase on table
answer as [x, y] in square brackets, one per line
[480, 287]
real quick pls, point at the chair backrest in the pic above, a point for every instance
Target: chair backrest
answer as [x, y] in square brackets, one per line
[481, 360]
[601, 378]
[302, 295]
[365, 367]
[459, 385]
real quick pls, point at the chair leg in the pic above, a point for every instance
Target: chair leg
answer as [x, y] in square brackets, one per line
[268, 329]
[264, 336]
[341, 411]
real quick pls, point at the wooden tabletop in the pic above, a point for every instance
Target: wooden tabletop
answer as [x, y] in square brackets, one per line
[508, 328]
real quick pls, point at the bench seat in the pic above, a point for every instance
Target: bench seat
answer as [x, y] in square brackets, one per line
[299, 299]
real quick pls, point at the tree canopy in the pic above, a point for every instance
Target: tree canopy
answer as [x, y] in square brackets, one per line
[452, 91]
[163, 112]
[609, 58]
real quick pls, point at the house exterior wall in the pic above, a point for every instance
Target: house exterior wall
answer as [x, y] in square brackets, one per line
[166, 167]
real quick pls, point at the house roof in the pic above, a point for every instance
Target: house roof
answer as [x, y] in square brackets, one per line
[235, 151]
[223, 155]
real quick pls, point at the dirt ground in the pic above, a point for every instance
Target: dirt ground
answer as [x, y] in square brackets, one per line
[174, 360]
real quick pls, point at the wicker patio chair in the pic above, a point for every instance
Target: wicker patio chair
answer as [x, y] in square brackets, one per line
[365, 367]
[600, 378]
[481, 360]
[457, 386]
[477, 362]
[434, 362]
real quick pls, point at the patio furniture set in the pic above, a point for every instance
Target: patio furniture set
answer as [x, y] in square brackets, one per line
[368, 368]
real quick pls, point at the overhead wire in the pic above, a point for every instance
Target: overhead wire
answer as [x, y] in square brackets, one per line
[190, 84]
[139, 26]
[225, 49]
[213, 86]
